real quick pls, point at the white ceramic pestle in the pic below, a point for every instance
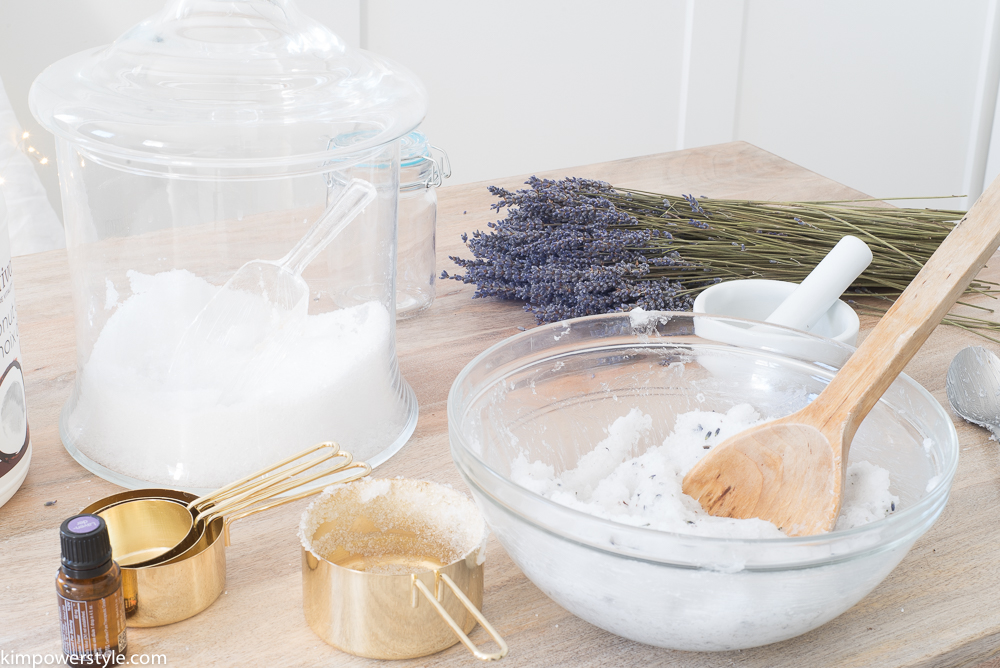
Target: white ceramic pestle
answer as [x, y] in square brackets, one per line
[824, 285]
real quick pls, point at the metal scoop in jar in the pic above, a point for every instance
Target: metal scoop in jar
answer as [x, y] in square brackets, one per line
[264, 295]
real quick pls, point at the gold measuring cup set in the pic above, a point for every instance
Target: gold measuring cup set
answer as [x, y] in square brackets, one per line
[389, 588]
[171, 545]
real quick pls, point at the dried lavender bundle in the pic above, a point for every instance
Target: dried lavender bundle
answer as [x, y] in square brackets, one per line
[567, 251]
[579, 247]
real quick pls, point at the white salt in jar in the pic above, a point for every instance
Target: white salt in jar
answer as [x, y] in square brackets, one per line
[15, 441]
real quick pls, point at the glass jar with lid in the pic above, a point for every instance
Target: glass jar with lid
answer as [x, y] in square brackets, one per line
[423, 168]
[215, 133]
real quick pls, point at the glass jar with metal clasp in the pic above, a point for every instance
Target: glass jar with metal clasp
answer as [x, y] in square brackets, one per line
[423, 167]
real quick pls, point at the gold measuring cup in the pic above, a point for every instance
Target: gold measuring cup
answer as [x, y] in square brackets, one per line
[154, 523]
[153, 517]
[169, 592]
[393, 569]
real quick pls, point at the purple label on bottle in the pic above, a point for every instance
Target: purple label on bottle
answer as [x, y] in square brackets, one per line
[83, 524]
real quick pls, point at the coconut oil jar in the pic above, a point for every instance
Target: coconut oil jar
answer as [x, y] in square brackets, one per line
[15, 438]
[213, 134]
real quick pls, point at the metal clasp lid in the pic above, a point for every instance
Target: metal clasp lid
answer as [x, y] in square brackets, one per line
[439, 171]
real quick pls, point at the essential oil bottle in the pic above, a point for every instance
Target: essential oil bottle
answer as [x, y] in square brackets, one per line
[89, 587]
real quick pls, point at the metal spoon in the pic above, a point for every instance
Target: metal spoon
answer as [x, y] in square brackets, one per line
[973, 386]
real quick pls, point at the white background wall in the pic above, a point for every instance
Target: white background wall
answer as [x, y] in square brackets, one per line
[896, 98]
[529, 85]
[878, 95]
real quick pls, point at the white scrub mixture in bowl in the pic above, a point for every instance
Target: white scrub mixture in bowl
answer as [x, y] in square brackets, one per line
[645, 491]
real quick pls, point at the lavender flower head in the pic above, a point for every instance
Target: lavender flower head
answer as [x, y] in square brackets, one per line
[567, 251]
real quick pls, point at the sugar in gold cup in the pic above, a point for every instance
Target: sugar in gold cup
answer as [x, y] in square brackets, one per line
[393, 569]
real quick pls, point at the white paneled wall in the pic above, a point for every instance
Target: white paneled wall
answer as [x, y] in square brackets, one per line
[708, 100]
[896, 98]
[524, 85]
[878, 95]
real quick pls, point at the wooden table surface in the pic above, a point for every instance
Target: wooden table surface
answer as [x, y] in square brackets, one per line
[938, 608]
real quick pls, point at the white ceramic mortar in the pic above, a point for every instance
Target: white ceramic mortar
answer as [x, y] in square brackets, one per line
[756, 299]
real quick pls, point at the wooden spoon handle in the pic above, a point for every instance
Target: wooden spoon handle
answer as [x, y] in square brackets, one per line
[858, 386]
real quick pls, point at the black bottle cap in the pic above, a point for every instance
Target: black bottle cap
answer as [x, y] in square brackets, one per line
[86, 547]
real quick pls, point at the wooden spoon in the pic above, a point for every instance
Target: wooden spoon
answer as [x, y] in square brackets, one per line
[791, 471]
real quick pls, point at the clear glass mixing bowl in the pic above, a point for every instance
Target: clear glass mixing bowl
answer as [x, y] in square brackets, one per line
[551, 392]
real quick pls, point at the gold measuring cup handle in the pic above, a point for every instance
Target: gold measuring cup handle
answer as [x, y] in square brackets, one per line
[282, 481]
[441, 579]
[266, 477]
[262, 484]
[234, 508]
[251, 504]
[273, 480]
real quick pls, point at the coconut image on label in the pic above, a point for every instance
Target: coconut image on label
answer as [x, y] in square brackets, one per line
[13, 414]
[15, 437]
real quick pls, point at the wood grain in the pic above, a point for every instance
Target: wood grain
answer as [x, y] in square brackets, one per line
[936, 609]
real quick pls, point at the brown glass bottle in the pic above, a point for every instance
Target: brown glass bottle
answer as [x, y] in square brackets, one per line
[89, 588]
